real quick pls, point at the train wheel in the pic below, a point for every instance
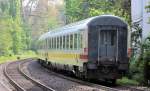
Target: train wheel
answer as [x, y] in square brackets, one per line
[85, 73]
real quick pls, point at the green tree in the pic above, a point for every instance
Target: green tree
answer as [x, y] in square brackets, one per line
[14, 37]
[6, 38]
[80, 9]
[148, 9]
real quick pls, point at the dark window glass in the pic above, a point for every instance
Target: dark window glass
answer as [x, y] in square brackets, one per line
[71, 41]
[75, 41]
[54, 43]
[61, 42]
[113, 38]
[79, 41]
[58, 43]
[49, 43]
[67, 42]
[64, 42]
[102, 39]
[46, 44]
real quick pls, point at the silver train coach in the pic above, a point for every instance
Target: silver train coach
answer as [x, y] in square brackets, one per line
[94, 48]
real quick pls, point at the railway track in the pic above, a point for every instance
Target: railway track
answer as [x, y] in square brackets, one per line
[24, 82]
[20, 80]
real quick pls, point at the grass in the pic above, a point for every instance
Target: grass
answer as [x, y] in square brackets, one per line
[126, 81]
[24, 55]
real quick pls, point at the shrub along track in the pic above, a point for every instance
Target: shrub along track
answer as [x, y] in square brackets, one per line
[21, 81]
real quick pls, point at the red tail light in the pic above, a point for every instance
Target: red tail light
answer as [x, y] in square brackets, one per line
[129, 52]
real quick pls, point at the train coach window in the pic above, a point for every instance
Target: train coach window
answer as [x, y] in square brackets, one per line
[75, 41]
[61, 39]
[46, 44]
[79, 41]
[102, 38]
[71, 42]
[55, 43]
[64, 42]
[113, 38]
[58, 43]
[67, 42]
[52, 43]
[49, 43]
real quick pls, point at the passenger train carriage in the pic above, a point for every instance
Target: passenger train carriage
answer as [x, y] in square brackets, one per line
[95, 48]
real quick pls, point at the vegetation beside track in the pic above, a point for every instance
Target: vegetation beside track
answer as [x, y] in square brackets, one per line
[126, 81]
[8, 58]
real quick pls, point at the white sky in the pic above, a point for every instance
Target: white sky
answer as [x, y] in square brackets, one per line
[52, 1]
[25, 2]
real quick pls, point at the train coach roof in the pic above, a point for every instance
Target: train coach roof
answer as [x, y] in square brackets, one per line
[75, 27]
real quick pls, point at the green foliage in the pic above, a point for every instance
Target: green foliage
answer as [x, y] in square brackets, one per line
[52, 23]
[23, 55]
[81, 9]
[13, 38]
[136, 71]
[146, 51]
[126, 81]
[148, 9]
[73, 10]
[5, 39]
[139, 67]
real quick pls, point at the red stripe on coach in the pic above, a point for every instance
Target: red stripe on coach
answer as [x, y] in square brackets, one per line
[83, 56]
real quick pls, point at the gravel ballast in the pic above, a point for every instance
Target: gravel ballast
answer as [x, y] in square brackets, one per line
[35, 70]
[4, 83]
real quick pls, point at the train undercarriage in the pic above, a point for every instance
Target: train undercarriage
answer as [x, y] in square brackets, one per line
[108, 73]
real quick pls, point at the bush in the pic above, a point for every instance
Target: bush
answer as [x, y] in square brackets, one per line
[29, 53]
[126, 81]
[147, 67]
[139, 77]
[139, 68]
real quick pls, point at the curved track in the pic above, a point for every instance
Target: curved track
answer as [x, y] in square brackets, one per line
[20, 80]
[23, 81]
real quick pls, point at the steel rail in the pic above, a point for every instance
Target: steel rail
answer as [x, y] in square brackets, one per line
[12, 82]
[46, 88]
[20, 71]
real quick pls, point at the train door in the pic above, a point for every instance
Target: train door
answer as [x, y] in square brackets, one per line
[107, 44]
